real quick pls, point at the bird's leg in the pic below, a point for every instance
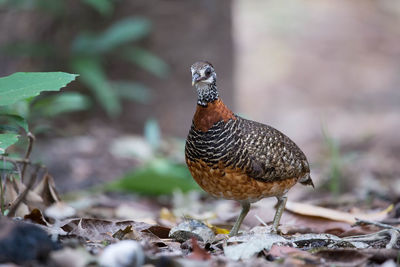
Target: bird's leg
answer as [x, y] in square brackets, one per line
[245, 209]
[279, 210]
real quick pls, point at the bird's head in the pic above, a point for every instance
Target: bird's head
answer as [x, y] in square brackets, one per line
[204, 79]
[203, 73]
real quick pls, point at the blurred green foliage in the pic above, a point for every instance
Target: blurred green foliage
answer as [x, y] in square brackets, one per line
[158, 177]
[160, 171]
[339, 162]
[89, 51]
[335, 169]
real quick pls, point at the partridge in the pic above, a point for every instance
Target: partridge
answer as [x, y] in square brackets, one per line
[239, 159]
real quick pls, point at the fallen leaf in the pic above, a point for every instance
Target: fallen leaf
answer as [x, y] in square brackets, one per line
[36, 216]
[10, 196]
[258, 239]
[159, 231]
[46, 189]
[342, 257]
[121, 233]
[283, 251]
[292, 223]
[198, 252]
[96, 229]
[316, 211]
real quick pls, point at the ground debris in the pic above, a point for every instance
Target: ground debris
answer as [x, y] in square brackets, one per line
[192, 228]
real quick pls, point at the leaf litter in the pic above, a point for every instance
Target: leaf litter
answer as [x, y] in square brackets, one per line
[189, 230]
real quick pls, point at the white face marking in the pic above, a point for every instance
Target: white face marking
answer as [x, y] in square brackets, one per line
[202, 73]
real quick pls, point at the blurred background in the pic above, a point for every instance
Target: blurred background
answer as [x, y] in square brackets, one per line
[326, 73]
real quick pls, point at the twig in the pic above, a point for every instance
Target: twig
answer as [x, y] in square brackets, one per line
[31, 139]
[22, 196]
[260, 220]
[393, 234]
[379, 224]
[2, 198]
[16, 161]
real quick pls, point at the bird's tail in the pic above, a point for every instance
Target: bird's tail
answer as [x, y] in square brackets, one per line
[306, 180]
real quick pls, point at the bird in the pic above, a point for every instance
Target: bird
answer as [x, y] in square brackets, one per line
[238, 159]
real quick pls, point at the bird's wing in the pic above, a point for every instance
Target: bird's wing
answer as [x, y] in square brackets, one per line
[271, 155]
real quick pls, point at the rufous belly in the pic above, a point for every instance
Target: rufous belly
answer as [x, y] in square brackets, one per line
[235, 184]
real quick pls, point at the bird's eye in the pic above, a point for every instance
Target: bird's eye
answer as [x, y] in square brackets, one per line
[207, 72]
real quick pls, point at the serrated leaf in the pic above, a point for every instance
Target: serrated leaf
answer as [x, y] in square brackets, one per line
[7, 140]
[22, 85]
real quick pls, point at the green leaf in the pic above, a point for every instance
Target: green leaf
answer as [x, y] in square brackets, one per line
[159, 177]
[7, 140]
[14, 119]
[131, 91]
[146, 60]
[104, 7]
[66, 102]
[20, 108]
[93, 76]
[22, 85]
[121, 32]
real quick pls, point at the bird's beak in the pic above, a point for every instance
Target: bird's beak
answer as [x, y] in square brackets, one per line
[195, 78]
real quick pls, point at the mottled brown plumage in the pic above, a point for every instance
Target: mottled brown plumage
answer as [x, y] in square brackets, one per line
[236, 158]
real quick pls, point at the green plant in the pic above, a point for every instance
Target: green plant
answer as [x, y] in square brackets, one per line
[21, 88]
[162, 170]
[157, 177]
[90, 51]
[335, 168]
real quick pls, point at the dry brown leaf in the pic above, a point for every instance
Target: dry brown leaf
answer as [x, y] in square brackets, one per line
[293, 223]
[32, 198]
[343, 257]
[198, 252]
[284, 251]
[36, 216]
[10, 196]
[123, 233]
[97, 229]
[335, 215]
[47, 191]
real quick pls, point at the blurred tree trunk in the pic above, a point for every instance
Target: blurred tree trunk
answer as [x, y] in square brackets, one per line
[184, 32]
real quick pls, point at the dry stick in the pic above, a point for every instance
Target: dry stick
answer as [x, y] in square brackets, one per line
[2, 189]
[379, 224]
[22, 196]
[394, 232]
[381, 235]
[15, 160]
[31, 139]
